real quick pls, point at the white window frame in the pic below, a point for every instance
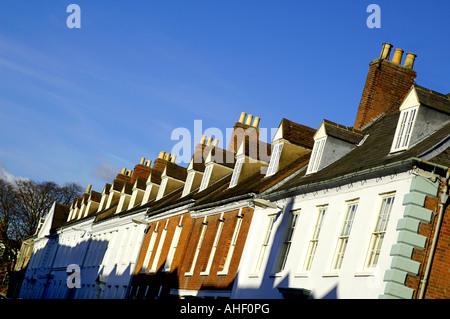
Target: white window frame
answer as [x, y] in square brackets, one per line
[236, 172]
[265, 244]
[287, 240]
[199, 246]
[214, 247]
[314, 240]
[316, 155]
[405, 125]
[274, 159]
[342, 241]
[206, 177]
[173, 246]
[160, 247]
[234, 239]
[150, 248]
[379, 231]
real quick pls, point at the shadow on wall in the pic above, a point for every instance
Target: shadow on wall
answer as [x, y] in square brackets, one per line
[46, 275]
[268, 288]
[154, 286]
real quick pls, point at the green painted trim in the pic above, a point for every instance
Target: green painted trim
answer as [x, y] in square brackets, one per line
[415, 198]
[413, 239]
[408, 238]
[424, 185]
[397, 290]
[402, 250]
[405, 264]
[408, 224]
[395, 275]
[420, 213]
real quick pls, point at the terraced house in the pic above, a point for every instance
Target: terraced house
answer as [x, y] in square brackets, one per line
[332, 212]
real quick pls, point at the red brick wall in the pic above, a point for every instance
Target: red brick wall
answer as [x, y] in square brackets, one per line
[387, 83]
[140, 171]
[184, 255]
[438, 285]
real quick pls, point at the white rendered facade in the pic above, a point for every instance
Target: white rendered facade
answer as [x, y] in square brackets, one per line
[354, 279]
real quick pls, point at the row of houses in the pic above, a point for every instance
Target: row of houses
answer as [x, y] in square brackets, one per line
[332, 212]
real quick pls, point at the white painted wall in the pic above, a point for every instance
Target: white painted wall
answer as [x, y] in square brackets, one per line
[352, 281]
[103, 248]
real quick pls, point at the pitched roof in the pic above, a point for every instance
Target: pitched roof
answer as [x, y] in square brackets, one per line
[374, 152]
[254, 184]
[298, 134]
[433, 99]
[345, 133]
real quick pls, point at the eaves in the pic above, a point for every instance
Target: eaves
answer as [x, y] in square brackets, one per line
[379, 171]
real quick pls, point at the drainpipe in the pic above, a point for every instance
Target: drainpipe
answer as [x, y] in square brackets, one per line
[442, 204]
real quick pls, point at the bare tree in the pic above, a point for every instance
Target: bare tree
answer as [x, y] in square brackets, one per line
[22, 204]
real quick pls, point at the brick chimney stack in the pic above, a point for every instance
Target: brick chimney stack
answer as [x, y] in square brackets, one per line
[141, 170]
[387, 84]
[243, 130]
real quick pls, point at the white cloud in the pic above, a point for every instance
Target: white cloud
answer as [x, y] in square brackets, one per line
[106, 171]
[7, 176]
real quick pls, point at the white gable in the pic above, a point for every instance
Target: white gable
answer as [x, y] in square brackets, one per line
[278, 134]
[410, 100]
[320, 132]
[46, 226]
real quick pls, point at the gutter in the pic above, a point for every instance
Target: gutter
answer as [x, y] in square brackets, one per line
[224, 201]
[372, 172]
[167, 208]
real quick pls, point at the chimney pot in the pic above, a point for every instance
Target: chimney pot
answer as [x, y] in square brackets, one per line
[386, 51]
[123, 171]
[208, 143]
[129, 172]
[256, 122]
[172, 158]
[409, 60]
[242, 117]
[142, 160]
[249, 119]
[203, 139]
[88, 188]
[148, 163]
[167, 156]
[216, 141]
[161, 154]
[398, 53]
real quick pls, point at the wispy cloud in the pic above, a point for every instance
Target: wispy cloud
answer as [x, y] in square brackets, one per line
[7, 176]
[106, 170]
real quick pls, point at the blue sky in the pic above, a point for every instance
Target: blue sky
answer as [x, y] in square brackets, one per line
[77, 105]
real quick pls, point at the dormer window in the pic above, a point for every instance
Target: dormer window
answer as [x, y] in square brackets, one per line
[274, 160]
[188, 185]
[404, 130]
[206, 177]
[316, 155]
[162, 188]
[236, 172]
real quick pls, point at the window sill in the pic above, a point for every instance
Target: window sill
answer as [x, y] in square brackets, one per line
[301, 275]
[222, 273]
[365, 273]
[204, 273]
[188, 274]
[253, 276]
[331, 274]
